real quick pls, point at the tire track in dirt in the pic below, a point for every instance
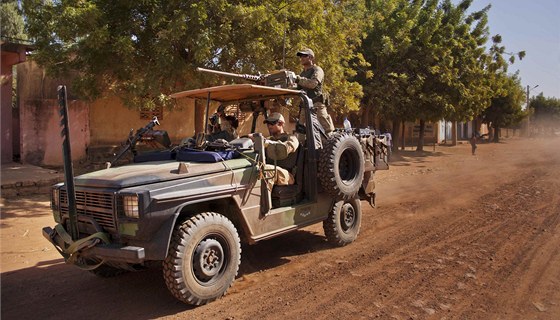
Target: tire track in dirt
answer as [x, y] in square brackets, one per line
[410, 283]
[454, 237]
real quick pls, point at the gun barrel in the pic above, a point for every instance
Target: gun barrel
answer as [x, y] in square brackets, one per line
[133, 139]
[229, 74]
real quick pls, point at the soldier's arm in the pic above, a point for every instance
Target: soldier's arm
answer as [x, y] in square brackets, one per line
[278, 150]
[307, 83]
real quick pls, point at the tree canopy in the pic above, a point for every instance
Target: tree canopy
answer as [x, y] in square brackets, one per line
[546, 116]
[12, 21]
[427, 60]
[505, 107]
[400, 59]
[144, 50]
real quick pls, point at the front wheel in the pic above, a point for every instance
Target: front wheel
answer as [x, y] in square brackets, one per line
[203, 258]
[343, 223]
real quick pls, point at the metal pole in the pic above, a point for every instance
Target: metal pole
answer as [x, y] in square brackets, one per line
[68, 169]
[284, 41]
[528, 114]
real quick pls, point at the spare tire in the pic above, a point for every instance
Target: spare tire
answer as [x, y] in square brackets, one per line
[341, 166]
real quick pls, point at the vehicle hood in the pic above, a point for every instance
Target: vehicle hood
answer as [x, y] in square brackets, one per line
[152, 172]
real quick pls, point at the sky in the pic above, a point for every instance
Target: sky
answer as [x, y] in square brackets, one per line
[533, 27]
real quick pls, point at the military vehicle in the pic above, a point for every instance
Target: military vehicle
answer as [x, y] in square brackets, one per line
[189, 208]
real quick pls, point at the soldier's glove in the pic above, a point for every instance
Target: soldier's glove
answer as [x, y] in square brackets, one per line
[297, 79]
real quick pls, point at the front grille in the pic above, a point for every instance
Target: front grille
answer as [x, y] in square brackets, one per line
[98, 205]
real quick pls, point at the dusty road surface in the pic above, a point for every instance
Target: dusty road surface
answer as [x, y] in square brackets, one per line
[454, 236]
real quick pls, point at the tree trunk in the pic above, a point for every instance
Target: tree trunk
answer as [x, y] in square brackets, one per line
[395, 132]
[496, 135]
[403, 142]
[454, 133]
[420, 145]
[365, 117]
[445, 132]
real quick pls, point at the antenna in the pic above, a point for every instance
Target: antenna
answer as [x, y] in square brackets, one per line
[284, 41]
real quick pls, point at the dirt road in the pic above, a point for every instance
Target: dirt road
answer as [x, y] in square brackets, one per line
[454, 236]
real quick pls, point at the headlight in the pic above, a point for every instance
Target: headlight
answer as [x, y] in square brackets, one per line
[130, 206]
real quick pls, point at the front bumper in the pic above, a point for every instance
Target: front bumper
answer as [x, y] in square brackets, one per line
[92, 248]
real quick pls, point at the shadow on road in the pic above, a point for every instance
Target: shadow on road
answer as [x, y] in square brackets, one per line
[410, 157]
[54, 290]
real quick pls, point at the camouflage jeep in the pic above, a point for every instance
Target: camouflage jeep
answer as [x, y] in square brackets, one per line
[191, 215]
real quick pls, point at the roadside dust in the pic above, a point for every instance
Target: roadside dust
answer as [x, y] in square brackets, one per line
[454, 236]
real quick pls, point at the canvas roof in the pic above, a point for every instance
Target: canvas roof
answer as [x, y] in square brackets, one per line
[236, 92]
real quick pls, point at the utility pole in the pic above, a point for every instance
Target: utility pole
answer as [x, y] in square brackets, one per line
[528, 115]
[529, 110]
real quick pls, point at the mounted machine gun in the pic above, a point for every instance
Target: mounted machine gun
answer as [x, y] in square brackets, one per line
[145, 134]
[278, 79]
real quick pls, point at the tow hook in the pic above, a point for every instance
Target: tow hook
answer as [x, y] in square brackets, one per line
[70, 249]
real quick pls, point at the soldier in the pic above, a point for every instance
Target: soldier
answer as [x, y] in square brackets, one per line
[280, 150]
[223, 126]
[311, 81]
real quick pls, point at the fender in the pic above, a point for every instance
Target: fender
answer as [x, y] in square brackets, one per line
[158, 247]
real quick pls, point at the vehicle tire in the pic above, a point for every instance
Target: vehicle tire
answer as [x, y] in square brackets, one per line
[105, 271]
[341, 166]
[343, 223]
[203, 258]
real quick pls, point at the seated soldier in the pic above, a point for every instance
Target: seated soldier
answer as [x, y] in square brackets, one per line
[280, 148]
[223, 126]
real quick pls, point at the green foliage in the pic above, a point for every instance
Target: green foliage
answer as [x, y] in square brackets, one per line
[505, 108]
[507, 94]
[419, 59]
[426, 60]
[546, 114]
[144, 50]
[429, 61]
[11, 20]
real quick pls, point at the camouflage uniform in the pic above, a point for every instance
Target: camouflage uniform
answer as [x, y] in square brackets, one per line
[279, 152]
[280, 155]
[311, 81]
[223, 130]
[227, 128]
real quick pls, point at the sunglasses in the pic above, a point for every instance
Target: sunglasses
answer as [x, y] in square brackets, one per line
[271, 122]
[303, 55]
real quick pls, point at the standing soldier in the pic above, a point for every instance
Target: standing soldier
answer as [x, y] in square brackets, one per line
[311, 81]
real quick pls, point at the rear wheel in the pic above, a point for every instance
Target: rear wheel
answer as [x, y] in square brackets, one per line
[343, 223]
[203, 258]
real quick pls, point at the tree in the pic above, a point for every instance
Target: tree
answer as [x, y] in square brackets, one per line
[507, 95]
[388, 92]
[12, 30]
[546, 116]
[427, 59]
[144, 50]
[505, 107]
[12, 21]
